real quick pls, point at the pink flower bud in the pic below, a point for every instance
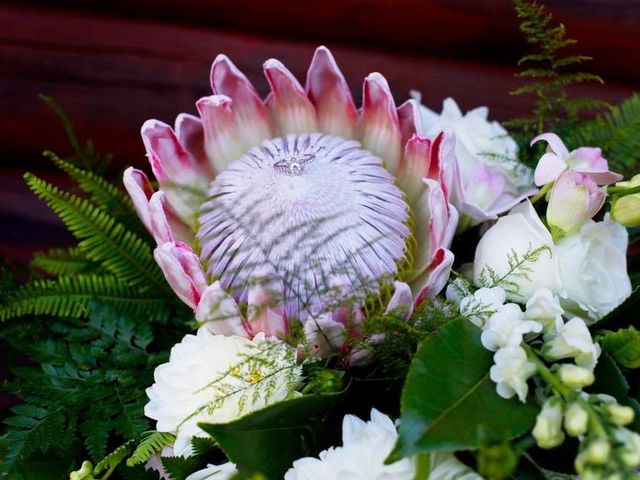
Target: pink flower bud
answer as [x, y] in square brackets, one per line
[575, 198]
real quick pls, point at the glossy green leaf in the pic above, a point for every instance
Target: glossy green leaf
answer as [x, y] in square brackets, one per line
[449, 402]
[611, 380]
[269, 440]
[624, 346]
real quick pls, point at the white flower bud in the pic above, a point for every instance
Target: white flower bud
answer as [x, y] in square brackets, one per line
[548, 429]
[591, 474]
[630, 452]
[574, 376]
[619, 414]
[576, 420]
[598, 452]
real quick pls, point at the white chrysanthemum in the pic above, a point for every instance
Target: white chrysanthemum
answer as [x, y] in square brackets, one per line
[445, 466]
[226, 471]
[365, 446]
[216, 379]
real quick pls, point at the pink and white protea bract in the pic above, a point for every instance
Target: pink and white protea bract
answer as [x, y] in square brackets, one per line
[557, 159]
[271, 203]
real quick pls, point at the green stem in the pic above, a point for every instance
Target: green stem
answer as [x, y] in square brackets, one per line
[548, 376]
[625, 190]
[108, 473]
[595, 425]
[543, 191]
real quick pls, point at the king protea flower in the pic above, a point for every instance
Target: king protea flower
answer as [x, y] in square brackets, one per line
[267, 208]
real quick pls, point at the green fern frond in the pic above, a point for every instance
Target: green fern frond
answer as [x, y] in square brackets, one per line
[86, 157]
[104, 194]
[616, 132]
[102, 238]
[31, 426]
[69, 296]
[115, 458]
[552, 72]
[63, 261]
[152, 443]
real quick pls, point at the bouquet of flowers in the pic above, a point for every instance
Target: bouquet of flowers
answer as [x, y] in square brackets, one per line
[310, 290]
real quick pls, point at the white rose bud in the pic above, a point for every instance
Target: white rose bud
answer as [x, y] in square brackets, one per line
[576, 420]
[548, 429]
[598, 452]
[619, 414]
[574, 376]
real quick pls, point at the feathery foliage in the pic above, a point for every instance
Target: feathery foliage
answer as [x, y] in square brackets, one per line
[69, 296]
[84, 157]
[63, 261]
[101, 238]
[549, 73]
[152, 443]
[616, 132]
[91, 330]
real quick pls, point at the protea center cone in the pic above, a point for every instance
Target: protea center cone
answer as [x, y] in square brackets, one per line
[282, 208]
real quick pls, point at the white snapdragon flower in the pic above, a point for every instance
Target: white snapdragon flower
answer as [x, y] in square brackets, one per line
[544, 307]
[506, 327]
[511, 371]
[365, 446]
[226, 471]
[548, 428]
[573, 340]
[211, 378]
[483, 303]
[593, 268]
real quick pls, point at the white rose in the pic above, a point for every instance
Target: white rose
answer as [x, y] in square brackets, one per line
[492, 179]
[593, 268]
[521, 233]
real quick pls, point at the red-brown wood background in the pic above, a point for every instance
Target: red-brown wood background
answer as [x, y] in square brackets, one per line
[113, 64]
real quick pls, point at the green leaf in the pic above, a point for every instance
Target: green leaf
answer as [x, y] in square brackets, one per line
[449, 402]
[269, 440]
[181, 467]
[624, 346]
